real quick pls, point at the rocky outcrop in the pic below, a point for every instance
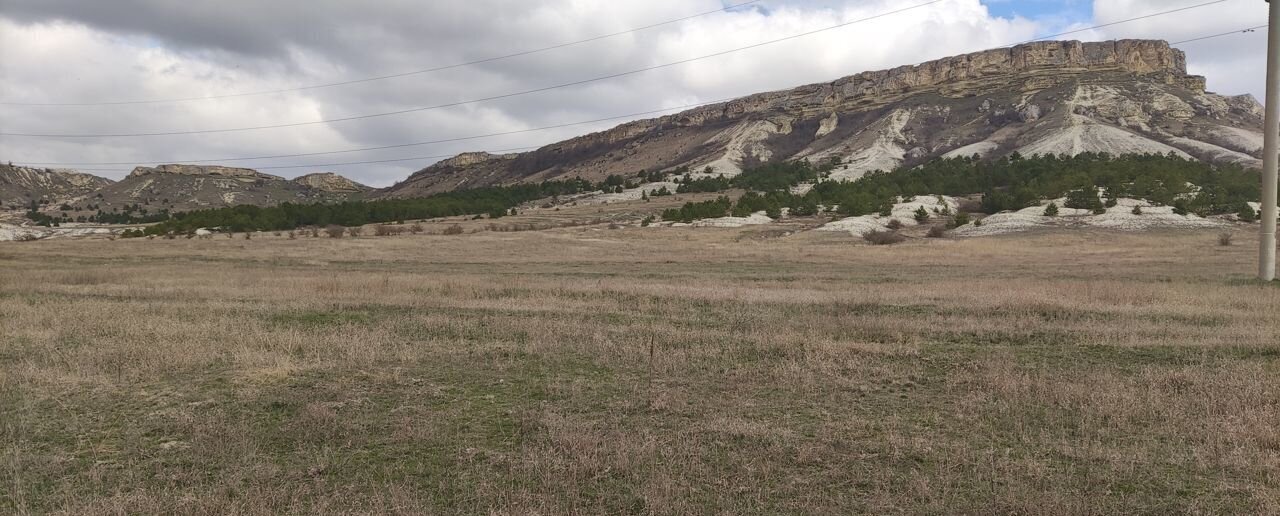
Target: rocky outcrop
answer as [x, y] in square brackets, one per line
[201, 170]
[330, 182]
[178, 187]
[20, 185]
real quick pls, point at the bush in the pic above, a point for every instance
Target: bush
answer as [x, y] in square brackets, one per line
[386, 230]
[416, 228]
[883, 237]
[1137, 210]
[334, 231]
[1051, 210]
[960, 219]
[805, 209]
[1224, 239]
[1246, 213]
[453, 230]
[936, 232]
[895, 224]
[647, 220]
[701, 210]
[355, 231]
[706, 184]
[1085, 199]
[921, 215]
[1180, 207]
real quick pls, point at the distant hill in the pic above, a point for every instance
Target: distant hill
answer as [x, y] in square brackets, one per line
[20, 185]
[191, 187]
[332, 183]
[1056, 97]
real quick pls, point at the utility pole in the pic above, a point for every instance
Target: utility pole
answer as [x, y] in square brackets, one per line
[1267, 245]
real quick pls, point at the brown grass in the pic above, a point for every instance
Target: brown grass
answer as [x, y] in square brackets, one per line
[666, 371]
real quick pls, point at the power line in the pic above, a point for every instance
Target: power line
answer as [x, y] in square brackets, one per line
[366, 162]
[382, 147]
[1232, 33]
[483, 99]
[1143, 17]
[384, 77]
[569, 124]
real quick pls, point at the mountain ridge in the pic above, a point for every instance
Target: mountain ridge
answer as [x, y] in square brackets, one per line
[1126, 95]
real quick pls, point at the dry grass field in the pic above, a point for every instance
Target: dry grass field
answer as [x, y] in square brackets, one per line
[640, 371]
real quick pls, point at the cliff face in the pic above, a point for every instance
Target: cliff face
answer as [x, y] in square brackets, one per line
[201, 170]
[1055, 96]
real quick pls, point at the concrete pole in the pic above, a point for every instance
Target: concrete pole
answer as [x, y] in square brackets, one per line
[1267, 246]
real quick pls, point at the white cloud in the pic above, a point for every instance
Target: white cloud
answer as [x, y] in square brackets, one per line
[1233, 64]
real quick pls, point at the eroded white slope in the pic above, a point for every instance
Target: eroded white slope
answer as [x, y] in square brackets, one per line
[1083, 134]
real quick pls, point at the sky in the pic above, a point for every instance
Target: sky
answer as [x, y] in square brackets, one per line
[124, 56]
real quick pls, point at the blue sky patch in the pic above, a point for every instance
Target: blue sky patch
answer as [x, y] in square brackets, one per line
[1052, 11]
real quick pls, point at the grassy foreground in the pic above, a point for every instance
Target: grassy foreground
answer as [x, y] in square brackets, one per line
[640, 371]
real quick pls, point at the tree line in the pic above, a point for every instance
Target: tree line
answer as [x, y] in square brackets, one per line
[495, 201]
[1007, 183]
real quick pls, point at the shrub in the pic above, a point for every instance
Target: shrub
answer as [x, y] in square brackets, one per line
[921, 215]
[334, 231]
[894, 224]
[1051, 210]
[1224, 239]
[354, 231]
[1180, 207]
[293, 235]
[805, 209]
[248, 235]
[647, 220]
[387, 230]
[1137, 210]
[416, 228]
[453, 230]
[883, 237]
[1246, 213]
[960, 219]
[977, 223]
[936, 232]
[1085, 199]
[701, 210]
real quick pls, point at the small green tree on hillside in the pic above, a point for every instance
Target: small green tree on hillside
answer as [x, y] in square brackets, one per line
[1246, 213]
[921, 215]
[1051, 210]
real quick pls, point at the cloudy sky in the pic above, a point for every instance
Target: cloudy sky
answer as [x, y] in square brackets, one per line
[123, 56]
